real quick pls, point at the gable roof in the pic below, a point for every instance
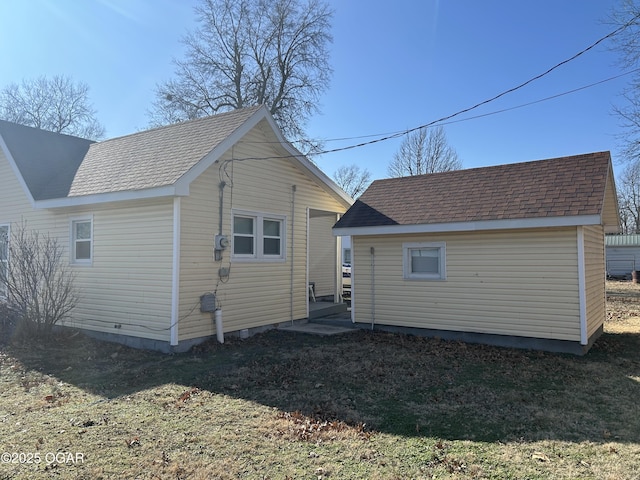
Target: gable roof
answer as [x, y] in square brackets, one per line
[153, 163]
[153, 158]
[32, 149]
[562, 191]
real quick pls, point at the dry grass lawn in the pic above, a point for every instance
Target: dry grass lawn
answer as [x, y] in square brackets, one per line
[359, 406]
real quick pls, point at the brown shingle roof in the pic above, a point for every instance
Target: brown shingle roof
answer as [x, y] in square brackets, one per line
[560, 187]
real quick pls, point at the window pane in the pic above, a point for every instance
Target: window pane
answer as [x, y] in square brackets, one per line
[83, 250]
[243, 225]
[83, 230]
[272, 246]
[271, 228]
[425, 260]
[242, 245]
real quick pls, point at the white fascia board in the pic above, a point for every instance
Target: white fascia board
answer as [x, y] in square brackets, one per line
[260, 114]
[308, 165]
[546, 222]
[167, 191]
[199, 168]
[16, 171]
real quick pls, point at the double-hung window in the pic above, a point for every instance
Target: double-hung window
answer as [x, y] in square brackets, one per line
[424, 261]
[4, 260]
[82, 241]
[258, 236]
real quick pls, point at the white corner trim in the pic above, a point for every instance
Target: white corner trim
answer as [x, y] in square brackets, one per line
[175, 273]
[507, 224]
[16, 170]
[582, 285]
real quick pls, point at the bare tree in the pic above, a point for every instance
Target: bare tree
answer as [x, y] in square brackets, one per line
[629, 197]
[55, 104]
[251, 52]
[352, 179]
[38, 284]
[424, 151]
[627, 43]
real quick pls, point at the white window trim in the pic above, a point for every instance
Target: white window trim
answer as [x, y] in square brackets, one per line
[72, 241]
[406, 261]
[3, 289]
[258, 237]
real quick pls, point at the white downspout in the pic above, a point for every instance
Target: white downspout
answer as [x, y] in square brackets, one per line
[293, 214]
[306, 282]
[175, 275]
[373, 286]
[582, 287]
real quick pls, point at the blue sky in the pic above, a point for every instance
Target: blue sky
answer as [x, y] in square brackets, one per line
[397, 65]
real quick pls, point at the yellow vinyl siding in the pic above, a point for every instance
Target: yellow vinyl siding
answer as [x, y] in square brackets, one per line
[519, 282]
[129, 281]
[610, 218]
[256, 293]
[594, 278]
[323, 254]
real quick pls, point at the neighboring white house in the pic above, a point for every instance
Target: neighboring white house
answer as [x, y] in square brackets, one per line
[221, 206]
[623, 254]
[508, 255]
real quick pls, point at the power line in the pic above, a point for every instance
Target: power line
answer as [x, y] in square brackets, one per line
[552, 97]
[492, 99]
[443, 120]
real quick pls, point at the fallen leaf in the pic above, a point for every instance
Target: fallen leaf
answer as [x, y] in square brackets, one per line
[540, 456]
[133, 442]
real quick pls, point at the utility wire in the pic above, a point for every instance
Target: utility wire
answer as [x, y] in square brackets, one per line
[492, 99]
[466, 119]
[552, 97]
[444, 119]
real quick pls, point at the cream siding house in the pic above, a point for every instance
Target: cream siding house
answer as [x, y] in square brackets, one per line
[141, 216]
[507, 255]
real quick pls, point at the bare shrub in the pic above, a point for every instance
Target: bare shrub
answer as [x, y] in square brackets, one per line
[38, 284]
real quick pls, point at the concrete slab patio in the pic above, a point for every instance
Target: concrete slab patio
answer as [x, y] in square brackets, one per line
[317, 329]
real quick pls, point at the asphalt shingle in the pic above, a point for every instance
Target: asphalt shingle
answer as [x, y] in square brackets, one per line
[565, 186]
[153, 158]
[47, 161]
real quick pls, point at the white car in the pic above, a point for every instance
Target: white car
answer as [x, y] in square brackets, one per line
[346, 280]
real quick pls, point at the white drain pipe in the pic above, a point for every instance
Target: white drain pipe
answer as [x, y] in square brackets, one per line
[219, 331]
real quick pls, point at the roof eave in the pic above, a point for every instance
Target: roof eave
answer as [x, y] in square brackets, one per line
[261, 114]
[309, 166]
[80, 200]
[503, 224]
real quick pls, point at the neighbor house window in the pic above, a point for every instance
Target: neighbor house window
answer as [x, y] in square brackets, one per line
[424, 261]
[82, 240]
[258, 236]
[4, 259]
